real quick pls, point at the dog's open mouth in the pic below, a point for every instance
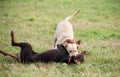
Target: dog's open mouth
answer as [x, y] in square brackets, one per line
[77, 61]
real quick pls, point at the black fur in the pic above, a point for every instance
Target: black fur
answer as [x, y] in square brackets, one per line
[56, 55]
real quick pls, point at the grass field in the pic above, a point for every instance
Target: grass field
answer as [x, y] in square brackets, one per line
[97, 26]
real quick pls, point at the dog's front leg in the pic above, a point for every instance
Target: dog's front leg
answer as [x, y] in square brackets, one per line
[15, 56]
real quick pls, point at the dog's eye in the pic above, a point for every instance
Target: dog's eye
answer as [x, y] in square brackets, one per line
[70, 51]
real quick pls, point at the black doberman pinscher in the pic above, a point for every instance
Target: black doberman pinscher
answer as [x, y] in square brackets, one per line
[28, 55]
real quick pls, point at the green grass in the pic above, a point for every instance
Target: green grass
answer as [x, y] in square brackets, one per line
[97, 26]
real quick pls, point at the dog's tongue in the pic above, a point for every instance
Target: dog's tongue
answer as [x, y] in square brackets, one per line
[69, 60]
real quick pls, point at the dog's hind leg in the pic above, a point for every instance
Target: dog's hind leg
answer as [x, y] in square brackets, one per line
[13, 40]
[14, 43]
[15, 56]
[21, 45]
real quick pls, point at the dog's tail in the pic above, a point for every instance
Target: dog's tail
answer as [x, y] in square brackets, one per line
[72, 16]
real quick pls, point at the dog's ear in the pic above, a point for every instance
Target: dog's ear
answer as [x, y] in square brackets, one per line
[78, 42]
[65, 44]
[83, 53]
[59, 46]
[70, 41]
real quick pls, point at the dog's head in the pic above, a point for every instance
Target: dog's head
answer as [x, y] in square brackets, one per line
[72, 47]
[80, 57]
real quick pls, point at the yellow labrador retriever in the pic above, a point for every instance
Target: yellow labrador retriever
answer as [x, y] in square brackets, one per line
[64, 34]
